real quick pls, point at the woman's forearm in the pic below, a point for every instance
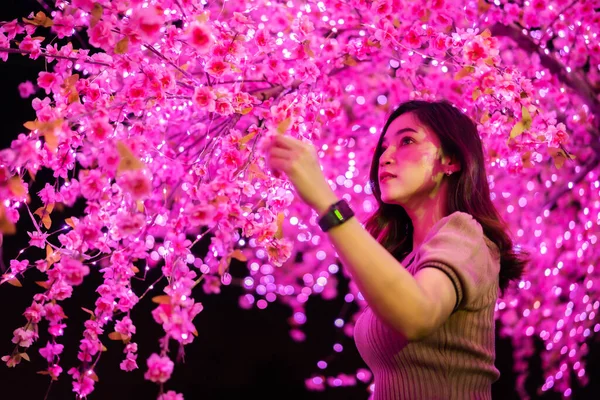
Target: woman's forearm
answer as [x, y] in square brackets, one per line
[390, 290]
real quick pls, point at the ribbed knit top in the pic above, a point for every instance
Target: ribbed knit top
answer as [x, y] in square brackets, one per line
[456, 362]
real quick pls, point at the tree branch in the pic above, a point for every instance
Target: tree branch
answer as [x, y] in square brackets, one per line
[574, 81]
[43, 54]
[570, 79]
[178, 68]
[589, 166]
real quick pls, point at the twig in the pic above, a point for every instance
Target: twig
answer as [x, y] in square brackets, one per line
[181, 8]
[48, 391]
[592, 164]
[178, 68]
[250, 157]
[49, 11]
[556, 18]
[44, 54]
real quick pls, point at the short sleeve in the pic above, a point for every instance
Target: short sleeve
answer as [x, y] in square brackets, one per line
[457, 246]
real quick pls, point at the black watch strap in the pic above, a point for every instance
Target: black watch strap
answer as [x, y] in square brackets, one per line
[336, 215]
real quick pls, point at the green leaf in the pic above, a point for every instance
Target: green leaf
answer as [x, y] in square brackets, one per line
[517, 130]
[115, 336]
[466, 71]
[526, 117]
[15, 282]
[122, 46]
[284, 125]
[239, 255]
[96, 14]
[523, 125]
[162, 299]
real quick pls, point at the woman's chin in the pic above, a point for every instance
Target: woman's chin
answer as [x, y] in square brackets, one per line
[391, 198]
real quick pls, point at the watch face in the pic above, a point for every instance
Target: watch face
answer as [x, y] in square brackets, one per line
[337, 214]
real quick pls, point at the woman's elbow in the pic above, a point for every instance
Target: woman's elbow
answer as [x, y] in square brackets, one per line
[419, 327]
[413, 330]
[416, 334]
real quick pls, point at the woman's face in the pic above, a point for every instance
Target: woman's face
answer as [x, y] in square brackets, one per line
[413, 153]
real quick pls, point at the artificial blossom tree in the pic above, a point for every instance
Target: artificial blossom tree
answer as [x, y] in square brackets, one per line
[155, 114]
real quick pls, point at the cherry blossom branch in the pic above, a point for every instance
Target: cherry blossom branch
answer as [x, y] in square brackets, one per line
[250, 157]
[75, 33]
[161, 56]
[241, 81]
[589, 166]
[557, 17]
[572, 79]
[48, 390]
[46, 55]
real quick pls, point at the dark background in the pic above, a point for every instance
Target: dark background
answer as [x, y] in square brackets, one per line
[238, 354]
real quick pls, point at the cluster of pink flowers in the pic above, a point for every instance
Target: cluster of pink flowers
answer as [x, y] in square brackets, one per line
[161, 133]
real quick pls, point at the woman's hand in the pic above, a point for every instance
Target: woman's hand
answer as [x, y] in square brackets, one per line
[299, 162]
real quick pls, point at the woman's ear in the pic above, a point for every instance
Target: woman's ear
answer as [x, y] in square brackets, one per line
[451, 163]
[454, 164]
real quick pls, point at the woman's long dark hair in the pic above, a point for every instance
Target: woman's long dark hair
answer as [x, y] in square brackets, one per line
[468, 189]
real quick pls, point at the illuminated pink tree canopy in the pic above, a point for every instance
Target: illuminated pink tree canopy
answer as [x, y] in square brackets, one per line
[160, 129]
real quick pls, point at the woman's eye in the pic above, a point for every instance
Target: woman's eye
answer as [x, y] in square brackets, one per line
[404, 140]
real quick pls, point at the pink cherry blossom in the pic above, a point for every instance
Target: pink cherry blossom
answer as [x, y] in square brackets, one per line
[51, 350]
[17, 267]
[63, 24]
[11, 361]
[48, 195]
[12, 29]
[129, 363]
[204, 98]
[200, 36]
[31, 46]
[87, 349]
[147, 22]
[83, 385]
[223, 107]
[125, 327]
[4, 42]
[73, 271]
[159, 368]
[53, 312]
[100, 130]
[101, 34]
[55, 370]
[24, 337]
[92, 183]
[35, 312]
[85, 5]
[26, 89]
[136, 183]
[57, 329]
[171, 395]
[217, 67]
[48, 81]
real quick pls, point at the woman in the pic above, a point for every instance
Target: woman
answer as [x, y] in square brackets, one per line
[431, 260]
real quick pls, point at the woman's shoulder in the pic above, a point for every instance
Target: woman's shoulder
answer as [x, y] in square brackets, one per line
[459, 221]
[463, 225]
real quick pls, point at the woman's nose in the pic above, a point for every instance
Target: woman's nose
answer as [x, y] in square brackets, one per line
[383, 160]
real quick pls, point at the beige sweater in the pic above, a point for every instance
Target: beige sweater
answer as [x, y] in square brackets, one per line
[456, 362]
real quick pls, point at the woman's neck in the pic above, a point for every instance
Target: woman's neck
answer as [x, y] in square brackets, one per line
[423, 218]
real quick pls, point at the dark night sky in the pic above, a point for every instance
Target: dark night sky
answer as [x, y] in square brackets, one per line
[239, 353]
